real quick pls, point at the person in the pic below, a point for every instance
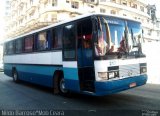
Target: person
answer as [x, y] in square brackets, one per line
[122, 47]
[102, 47]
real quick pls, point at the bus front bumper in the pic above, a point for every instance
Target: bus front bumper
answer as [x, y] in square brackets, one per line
[110, 87]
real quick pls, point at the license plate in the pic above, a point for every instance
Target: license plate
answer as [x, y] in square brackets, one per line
[132, 85]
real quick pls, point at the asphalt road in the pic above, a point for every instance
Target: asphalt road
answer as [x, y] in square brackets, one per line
[142, 101]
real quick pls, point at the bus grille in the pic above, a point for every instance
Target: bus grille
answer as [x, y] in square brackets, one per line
[129, 70]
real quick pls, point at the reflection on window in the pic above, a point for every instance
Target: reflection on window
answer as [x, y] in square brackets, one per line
[75, 5]
[102, 10]
[54, 2]
[28, 44]
[113, 12]
[42, 41]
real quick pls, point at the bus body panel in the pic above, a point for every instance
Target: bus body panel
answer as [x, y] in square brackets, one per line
[38, 74]
[70, 71]
[36, 68]
[125, 68]
[110, 87]
[38, 58]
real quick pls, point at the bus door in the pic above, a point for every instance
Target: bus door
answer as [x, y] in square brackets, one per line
[85, 55]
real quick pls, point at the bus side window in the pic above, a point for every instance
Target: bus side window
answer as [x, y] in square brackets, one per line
[28, 44]
[10, 46]
[18, 45]
[69, 41]
[42, 42]
[57, 38]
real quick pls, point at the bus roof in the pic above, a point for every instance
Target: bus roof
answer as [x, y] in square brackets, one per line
[67, 21]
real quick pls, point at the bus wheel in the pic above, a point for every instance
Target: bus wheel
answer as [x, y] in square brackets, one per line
[61, 86]
[15, 76]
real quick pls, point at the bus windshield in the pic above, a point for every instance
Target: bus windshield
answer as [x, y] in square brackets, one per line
[118, 38]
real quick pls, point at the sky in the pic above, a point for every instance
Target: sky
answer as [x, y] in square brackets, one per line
[2, 19]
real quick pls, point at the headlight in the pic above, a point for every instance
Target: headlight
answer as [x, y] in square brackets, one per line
[113, 74]
[102, 75]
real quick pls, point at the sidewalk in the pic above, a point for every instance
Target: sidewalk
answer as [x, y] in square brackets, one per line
[152, 50]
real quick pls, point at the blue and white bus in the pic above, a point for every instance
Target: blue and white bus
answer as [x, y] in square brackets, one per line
[94, 54]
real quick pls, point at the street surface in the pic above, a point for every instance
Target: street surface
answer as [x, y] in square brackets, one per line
[142, 101]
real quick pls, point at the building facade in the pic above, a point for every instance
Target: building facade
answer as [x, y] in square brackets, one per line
[28, 15]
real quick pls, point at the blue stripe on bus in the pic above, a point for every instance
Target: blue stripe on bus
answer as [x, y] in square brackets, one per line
[43, 75]
[71, 73]
[71, 79]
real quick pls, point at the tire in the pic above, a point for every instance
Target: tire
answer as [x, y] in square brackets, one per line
[15, 76]
[61, 86]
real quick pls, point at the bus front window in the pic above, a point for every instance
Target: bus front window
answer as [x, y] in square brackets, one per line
[110, 34]
[117, 38]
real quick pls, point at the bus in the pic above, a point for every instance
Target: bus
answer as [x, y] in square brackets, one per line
[94, 54]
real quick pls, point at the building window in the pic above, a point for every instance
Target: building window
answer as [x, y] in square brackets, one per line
[75, 5]
[124, 15]
[102, 10]
[67, 1]
[45, 4]
[134, 6]
[113, 1]
[90, 1]
[158, 33]
[42, 42]
[57, 38]
[149, 32]
[31, 14]
[113, 12]
[142, 8]
[31, 2]
[91, 6]
[54, 2]
[124, 2]
[28, 44]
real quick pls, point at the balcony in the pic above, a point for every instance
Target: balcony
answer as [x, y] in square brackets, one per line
[32, 7]
[43, 1]
[122, 7]
[145, 2]
[91, 1]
